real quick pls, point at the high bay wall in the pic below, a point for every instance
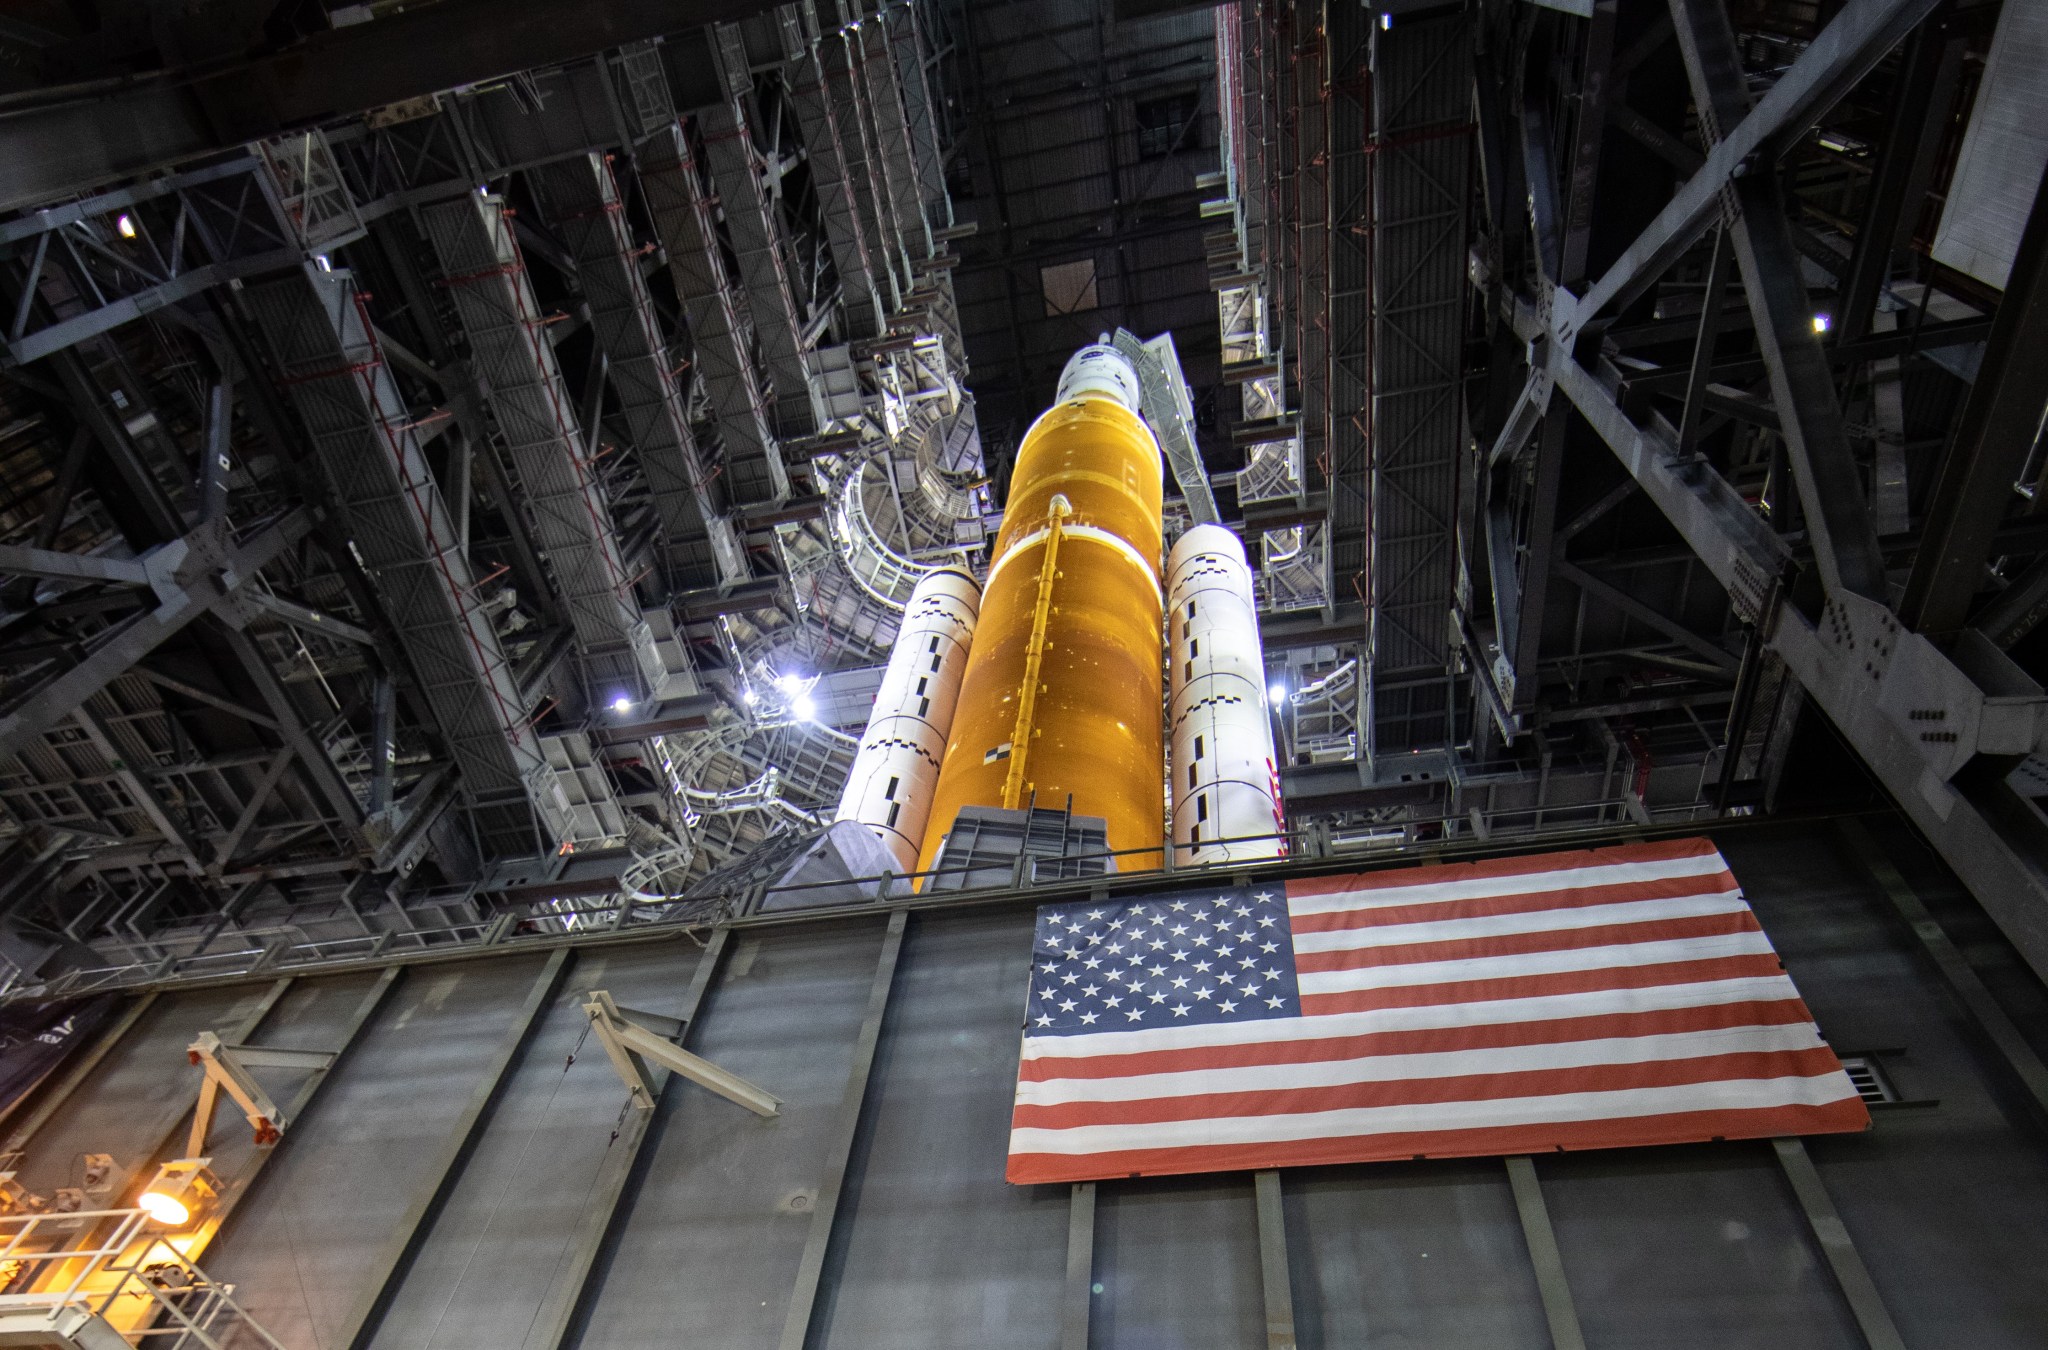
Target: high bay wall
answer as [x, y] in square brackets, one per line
[426, 1198]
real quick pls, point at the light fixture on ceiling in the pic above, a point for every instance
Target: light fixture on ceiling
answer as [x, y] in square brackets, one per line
[125, 223]
[1820, 323]
[622, 704]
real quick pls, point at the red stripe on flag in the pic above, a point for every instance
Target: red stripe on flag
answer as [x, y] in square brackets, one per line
[1524, 902]
[1525, 865]
[1430, 1040]
[1683, 1127]
[1477, 1087]
[1516, 944]
[1533, 986]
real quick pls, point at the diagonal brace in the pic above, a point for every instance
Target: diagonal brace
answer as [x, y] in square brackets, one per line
[227, 1070]
[631, 1047]
[1802, 384]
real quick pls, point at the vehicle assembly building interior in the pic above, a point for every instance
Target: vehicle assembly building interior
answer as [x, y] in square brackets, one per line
[1031, 674]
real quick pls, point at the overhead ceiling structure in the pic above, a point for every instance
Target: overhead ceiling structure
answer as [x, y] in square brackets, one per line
[465, 464]
[430, 500]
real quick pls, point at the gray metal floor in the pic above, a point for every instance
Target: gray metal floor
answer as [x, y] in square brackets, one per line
[1690, 1247]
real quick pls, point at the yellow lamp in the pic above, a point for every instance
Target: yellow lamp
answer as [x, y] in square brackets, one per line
[179, 1190]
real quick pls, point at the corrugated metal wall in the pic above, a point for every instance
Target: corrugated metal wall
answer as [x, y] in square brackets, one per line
[1694, 1247]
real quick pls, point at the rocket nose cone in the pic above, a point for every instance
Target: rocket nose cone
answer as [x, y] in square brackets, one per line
[1100, 371]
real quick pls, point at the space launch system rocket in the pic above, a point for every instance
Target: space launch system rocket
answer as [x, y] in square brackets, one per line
[1050, 687]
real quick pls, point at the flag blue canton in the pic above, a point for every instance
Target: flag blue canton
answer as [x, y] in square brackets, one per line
[1193, 959]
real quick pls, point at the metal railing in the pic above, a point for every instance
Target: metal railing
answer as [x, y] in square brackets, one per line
[617, 914]
[124, 1272]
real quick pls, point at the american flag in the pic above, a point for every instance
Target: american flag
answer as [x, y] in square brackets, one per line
[1592, 999]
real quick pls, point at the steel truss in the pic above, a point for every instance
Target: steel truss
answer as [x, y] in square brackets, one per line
[1938, 725]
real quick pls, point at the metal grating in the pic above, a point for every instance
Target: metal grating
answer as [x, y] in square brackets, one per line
[756, 237]
[566, 506]
[399, 526]
[702, 547]
[684, 217]
[1421, 108]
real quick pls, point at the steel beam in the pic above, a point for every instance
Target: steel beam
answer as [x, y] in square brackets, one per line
[214, 461]
[1077, 1297]
[1839, 525]
[182, 597]
[826, 150]
[702, 548]
[1921, 97]
[1996, 844]
[61, 148]
[365, 441]
[743, 598]
[1743, 370]
[1275, 1272]
[125, 309]
[410, 1233]
[755, 235]
[1996, 433]
[1551, 1285]
[1701, 378]
[560, 491]
[1647, 615]
[1351, 622]
[309, 620]
[237, 1035]
[803, 1298]
[569, 1296]
[635, 1051]
[65, 487]
[685, 216]
[310, 755]
[41, 562]
[1857, 38]
[2018, 609]
[1837, 1247]
[224, 851]
[146, 800]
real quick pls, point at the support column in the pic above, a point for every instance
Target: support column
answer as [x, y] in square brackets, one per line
[1835, 1244]
[1274, 1269]
[1078, 1299]
[411, 1232]
[803, 1298]
[568, 1299]
[1551, 1284]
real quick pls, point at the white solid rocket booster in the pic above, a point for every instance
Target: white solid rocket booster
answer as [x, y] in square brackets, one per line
[1221, 738]
[897, 766]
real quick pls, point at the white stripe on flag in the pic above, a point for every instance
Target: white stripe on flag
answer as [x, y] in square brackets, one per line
[1616, 957]
[1740, 1094]
[1512, 883]
[1547, 1007]
[1533, 921]
[1441, 1064]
